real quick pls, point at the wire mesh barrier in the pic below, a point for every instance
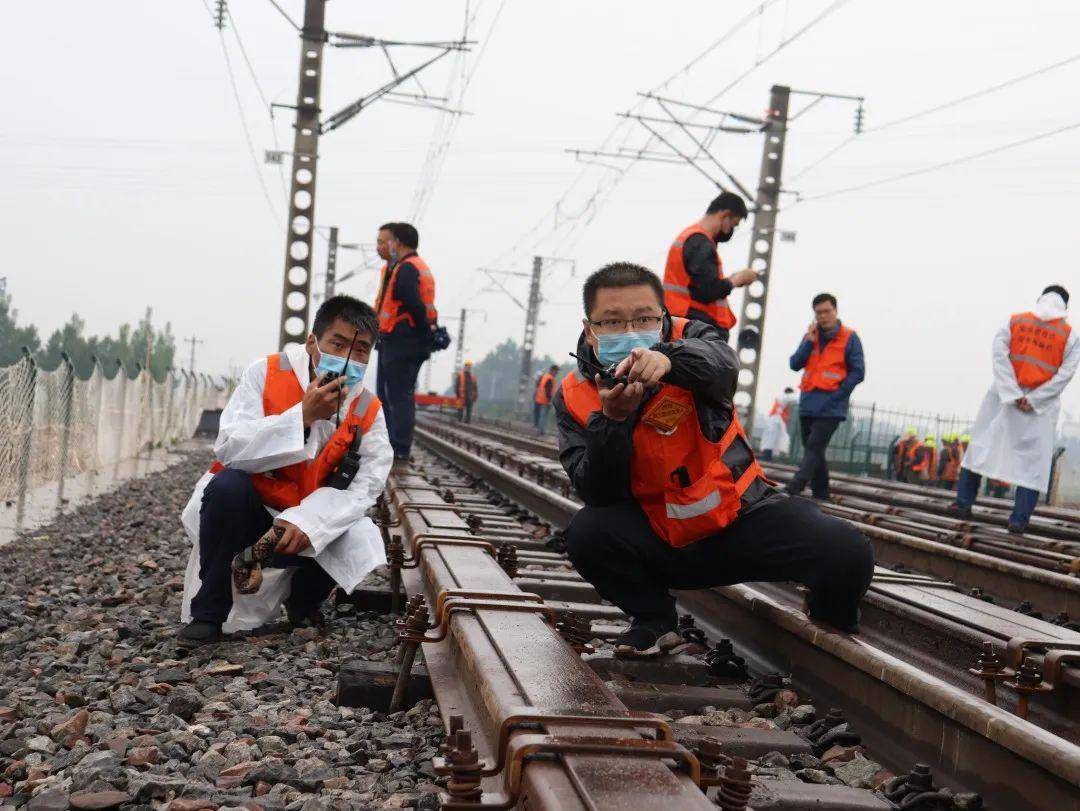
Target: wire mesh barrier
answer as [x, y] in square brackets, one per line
[56, 426]
[863, 444]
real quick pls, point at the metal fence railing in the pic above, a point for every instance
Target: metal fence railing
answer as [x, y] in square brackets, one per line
[863, 442]
[55, 425]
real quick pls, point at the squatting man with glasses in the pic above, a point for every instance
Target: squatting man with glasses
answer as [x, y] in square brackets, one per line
[674, 498]
[301, 454]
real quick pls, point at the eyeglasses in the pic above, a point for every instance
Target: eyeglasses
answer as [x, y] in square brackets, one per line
[642, 322]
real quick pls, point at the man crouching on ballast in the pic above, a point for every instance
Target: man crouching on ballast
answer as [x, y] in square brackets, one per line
[674, 497]
[301, 454]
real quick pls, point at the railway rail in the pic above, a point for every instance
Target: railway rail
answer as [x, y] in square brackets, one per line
[495, 658]
[1041, 575]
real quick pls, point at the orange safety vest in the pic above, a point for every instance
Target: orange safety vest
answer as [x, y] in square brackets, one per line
[900, 454]
[668, 440]
[542, 397]
[783, 410]
[925, 465]
[390, 309]
[288, 486]
[825, 368]
[677, 284]
[950, 470]
[1036, 348]
[463, 387]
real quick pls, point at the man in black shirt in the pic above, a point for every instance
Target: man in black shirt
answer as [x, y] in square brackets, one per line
[406, 306]
[694, 283]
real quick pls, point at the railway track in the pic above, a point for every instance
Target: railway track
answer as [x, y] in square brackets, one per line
[1039, 574]
[497, 658]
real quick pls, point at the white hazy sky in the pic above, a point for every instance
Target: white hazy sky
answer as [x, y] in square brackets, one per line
[127, 181]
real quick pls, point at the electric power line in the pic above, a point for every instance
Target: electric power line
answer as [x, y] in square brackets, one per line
[952, 103]
[247, 132]
[285, 14]
[943, 165]
[265, 101]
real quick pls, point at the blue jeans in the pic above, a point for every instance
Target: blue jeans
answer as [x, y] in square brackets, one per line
[967, 488]
[540, 416]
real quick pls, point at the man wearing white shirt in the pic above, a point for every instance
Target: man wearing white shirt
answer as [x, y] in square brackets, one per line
[1035, 355]
[298, 424]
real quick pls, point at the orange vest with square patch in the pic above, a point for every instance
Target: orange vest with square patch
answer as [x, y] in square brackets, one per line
[684, 482]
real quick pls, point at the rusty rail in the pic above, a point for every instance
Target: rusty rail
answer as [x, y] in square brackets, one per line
[1014, 763]
[548, 737]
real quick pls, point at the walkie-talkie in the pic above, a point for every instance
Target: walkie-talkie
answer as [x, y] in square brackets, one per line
[331, 376]
[608, 380]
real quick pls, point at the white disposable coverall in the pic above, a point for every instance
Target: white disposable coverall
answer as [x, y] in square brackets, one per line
[343, 541]
[1007, 443]
[774, 434]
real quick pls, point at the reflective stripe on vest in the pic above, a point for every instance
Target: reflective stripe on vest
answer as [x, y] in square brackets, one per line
[826, 368]
[1036, 348]
[677, 284]
[287, 486]
[391, 312]
[668, 428]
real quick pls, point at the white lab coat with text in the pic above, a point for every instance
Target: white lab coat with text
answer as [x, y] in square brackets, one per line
[1007, 443]
[345, 543]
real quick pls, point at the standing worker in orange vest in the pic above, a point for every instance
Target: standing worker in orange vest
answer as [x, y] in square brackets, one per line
[774, 436]
[467, 390]
[407, 317]
[1035, 356]
[694, 282]
[901, 450]
[923, 460]
[831, 357]
[542, 397]
[298, 456]
[674, 498]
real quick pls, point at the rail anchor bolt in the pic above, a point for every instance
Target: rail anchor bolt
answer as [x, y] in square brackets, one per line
[1027, 682]
[990, 668]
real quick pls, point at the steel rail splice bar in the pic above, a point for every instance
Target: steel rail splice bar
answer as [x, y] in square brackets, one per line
[493, 661]
[900, 710]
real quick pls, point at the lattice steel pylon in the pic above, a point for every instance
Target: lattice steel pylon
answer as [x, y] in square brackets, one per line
[296, 290]
[763, 229]
[532, 320]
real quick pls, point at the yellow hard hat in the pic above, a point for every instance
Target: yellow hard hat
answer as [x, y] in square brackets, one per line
[468, 363]
[911, 431]
[930, 437]
[965, 438]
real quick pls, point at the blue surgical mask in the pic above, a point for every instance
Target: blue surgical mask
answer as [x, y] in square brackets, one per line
[613, 348]
[354, 375]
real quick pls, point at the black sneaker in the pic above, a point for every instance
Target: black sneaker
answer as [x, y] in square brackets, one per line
[647, 639]
[1016, 529]
[312, 619]
[198, 633]
[956, 511]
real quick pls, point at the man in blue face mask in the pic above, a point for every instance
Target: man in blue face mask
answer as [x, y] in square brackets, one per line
[301, 454]
[674, 498]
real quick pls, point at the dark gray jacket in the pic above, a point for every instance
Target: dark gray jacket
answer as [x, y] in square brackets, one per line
[597, 457]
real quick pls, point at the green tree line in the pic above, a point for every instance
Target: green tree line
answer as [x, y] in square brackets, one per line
[127, 348]
[497, 374]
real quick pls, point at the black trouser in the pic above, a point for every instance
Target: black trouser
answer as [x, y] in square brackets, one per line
[816, 433]
[765, 455]
[465, 415]
[783, 539]
[399, 364]
[233, 517]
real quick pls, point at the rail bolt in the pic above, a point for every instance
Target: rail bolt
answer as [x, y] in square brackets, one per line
[1027, 681]
[735, 786]
[989, 667]
[723, 663]
[576, 630]
[462, 764]
[508, 559]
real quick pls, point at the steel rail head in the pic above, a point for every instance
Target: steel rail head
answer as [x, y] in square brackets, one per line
[521, 749]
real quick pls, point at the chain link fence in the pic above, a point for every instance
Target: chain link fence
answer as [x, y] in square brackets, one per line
[55, 426]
